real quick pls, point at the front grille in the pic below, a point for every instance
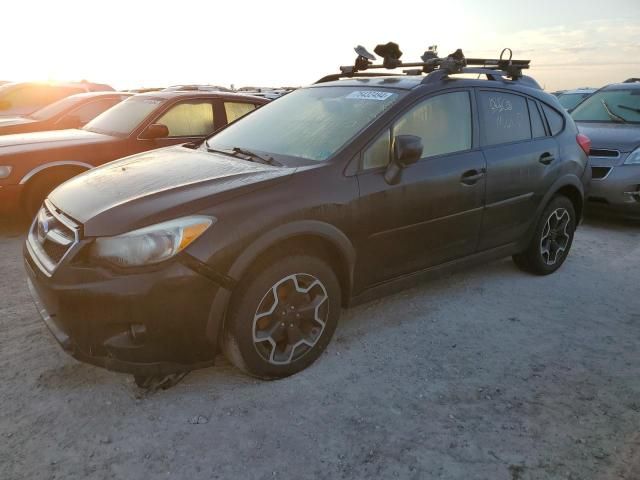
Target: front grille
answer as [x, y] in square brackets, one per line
[598, 173]
[604, 152]
[54, 251]
[52, 236]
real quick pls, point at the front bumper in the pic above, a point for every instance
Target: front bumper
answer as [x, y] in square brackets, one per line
[146, 323]
[618, 191]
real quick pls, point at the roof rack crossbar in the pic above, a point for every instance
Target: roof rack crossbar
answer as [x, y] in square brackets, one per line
[453, 63]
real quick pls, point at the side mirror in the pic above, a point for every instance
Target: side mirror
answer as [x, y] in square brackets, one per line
[155, 130]
[407, 150]
[5, 104]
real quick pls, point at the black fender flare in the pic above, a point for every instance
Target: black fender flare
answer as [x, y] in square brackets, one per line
[564, 181]
[249, 255]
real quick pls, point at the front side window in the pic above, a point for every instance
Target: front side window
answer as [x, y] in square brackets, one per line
[443, 122]
[504, 117]
[192, 119]
[235, 110]
[310, 123]
[610, 106]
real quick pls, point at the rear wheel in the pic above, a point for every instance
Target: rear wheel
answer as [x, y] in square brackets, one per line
[283, 317]
[552, 239]
[42, 185]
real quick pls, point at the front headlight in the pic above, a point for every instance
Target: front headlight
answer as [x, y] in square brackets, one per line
[5, 171]
[633, 158]
[152, 244]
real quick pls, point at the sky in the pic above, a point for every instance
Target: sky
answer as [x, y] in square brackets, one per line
[571, 43]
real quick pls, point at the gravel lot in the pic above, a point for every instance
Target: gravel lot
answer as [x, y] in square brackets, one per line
[489, 374]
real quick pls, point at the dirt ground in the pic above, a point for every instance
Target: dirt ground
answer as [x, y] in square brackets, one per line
[489, 374]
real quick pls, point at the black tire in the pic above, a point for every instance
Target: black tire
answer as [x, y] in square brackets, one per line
[263, 289]
[552, 239]
[41, 186]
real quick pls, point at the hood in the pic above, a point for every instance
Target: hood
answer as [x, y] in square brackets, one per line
[24, 142]
[614, 136]
[155, 186]
[11, 121]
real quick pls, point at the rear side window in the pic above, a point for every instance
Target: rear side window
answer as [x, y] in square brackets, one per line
[236, 110]
[537, 125]
[504, 118]
[555, 120]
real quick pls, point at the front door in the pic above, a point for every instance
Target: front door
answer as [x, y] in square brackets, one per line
[434, 213]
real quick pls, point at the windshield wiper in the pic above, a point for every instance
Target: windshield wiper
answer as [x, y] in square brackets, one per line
[254, 156]
[626, 107]
[246, 155]
[612, 115]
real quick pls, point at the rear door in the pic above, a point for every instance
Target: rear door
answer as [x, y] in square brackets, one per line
[521, 158]
[434, 213]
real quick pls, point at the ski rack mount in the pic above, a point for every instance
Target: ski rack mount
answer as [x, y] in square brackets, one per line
[453, 63]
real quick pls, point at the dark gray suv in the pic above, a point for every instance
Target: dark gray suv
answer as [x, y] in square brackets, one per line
[252, 241]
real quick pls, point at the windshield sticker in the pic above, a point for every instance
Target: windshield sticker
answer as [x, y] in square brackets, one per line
[369, 95]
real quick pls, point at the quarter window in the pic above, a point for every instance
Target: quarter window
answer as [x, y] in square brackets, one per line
[236, 110]
[505, 118]
[189, 119]
[377, 155]
[556, 122]
[442, 122]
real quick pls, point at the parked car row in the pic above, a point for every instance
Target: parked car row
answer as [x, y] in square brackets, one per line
[251, 240]
[32, 164]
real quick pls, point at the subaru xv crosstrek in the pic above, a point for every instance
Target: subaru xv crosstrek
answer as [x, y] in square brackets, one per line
[252, 241]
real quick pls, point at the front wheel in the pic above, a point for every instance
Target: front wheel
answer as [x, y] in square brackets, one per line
[283, 316]
[551, 240]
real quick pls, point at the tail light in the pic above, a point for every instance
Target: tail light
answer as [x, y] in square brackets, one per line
[584, 142]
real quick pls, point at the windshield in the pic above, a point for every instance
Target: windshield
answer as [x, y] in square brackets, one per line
[570, 100]
[311, 123]
[610, 106]
[123, 118]
[55, 108]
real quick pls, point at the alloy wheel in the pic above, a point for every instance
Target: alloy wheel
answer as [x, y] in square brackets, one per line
[290, 318]
[555, 236]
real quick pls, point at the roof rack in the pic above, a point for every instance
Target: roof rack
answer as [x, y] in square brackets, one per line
[632, 80]
[435, 67]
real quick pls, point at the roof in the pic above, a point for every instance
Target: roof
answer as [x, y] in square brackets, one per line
[623, 86]
[577, 90]
[106, 93]
[169, 94]
[403, 82]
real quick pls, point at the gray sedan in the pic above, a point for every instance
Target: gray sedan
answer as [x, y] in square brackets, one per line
[611, 119]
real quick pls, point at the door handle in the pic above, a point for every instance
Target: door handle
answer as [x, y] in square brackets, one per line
[470, 177]
[546, 158]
